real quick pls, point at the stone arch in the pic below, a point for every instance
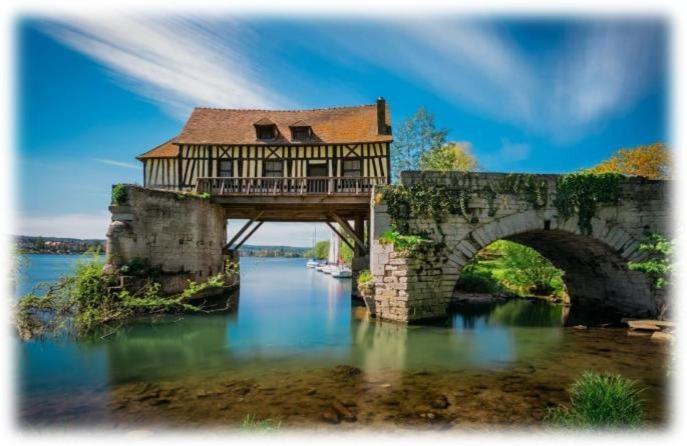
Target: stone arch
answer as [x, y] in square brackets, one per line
[596, 269]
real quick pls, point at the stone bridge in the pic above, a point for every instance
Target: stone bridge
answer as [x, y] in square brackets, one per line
[418, 286]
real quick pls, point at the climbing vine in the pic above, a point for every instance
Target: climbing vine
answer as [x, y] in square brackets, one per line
[582, 193]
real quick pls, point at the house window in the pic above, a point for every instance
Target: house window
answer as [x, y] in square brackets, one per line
[274, 168]
[352, 168]
[226, 168]
[300, 133]
[266, 131]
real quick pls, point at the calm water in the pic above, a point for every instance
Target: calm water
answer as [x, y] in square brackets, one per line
[290, 320]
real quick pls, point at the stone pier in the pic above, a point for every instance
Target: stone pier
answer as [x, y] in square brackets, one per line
[181, 235]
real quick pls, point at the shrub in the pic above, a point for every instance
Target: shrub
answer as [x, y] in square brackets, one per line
[476, 280]
[365, 280]
[81, 305]
[601, 401]
[659, 264]
[401, 242]
[529, 270]
[119, 194]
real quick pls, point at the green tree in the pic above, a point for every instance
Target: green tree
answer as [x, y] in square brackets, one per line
[451, 156]
[320, 251]
[659, 264]
[39, 243]
[416, 135]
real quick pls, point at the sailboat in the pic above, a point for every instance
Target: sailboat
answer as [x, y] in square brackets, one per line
[312, 263]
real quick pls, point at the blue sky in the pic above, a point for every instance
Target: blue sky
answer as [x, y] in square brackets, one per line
[529, 95]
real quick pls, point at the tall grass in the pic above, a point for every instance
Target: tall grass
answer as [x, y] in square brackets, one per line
[601, 401]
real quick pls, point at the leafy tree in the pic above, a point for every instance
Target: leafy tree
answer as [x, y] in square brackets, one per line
[659, 264]
[39, 243]
[417, 135]
[320, 251]
[651, 161]
[451, 156]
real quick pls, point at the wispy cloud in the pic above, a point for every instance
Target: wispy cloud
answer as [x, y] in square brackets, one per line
[117, 163]
[175, 62]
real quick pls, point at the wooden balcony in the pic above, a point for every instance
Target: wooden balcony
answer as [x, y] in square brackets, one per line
[287, 186]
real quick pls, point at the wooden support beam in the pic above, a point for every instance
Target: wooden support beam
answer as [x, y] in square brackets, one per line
[342, 237]
[346, 227]
[255, 228]
[242, 230]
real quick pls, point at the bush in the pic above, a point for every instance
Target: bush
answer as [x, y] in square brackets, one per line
[600, 401]
[401, 242]
[527, 269]
[365, 280]
[659, 265]
[81, 305]
[476, 280]
[119, 194]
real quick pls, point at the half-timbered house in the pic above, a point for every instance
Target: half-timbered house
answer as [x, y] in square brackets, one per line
[320, 151]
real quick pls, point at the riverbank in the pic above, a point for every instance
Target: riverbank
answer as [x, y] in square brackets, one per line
[346, 397]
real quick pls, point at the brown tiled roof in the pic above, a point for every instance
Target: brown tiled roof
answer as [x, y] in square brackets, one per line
[167, 149]
[329, 125]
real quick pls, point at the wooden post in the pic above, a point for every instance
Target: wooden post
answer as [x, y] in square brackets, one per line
[347, 228]
[341, 236]
[242, 230]
[245, 239]
[360, 232]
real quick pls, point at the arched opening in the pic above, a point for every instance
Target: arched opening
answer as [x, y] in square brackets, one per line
[597, 281]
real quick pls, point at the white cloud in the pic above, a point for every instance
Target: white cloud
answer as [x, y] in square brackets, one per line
[175, 62]
[65, 225]
[117, 163]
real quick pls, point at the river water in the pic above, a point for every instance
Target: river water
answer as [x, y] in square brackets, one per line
[297, 345]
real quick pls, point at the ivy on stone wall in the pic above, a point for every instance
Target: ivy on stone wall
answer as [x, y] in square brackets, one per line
[582, 193]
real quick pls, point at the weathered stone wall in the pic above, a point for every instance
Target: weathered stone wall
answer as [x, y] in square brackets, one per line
[420, 286]
[181, 234]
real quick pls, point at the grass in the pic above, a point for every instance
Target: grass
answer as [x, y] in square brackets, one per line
[251, 424]
[600, 401]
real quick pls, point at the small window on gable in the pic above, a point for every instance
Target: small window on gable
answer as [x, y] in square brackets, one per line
[301, 133]
[266, 131]
[226, 168]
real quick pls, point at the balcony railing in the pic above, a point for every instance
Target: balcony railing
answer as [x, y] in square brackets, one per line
[224, 186]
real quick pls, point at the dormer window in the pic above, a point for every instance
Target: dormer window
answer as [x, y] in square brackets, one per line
[265, 129]
[300, 131]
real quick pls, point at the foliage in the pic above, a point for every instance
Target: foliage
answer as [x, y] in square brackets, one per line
[601, 401]
[320, 251]
[85, 303]
[345, 252]
[119, 194]
[251, 424]
[451, 156]
[402, 242]
[529, 270]
[651, 161]
[474, 278]
[581, 193]
[659, 264]
[365, 280]
[508, 267]
[416, 135]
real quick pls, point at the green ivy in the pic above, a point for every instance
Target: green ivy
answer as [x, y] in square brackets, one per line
[582, 193]
[119, 194]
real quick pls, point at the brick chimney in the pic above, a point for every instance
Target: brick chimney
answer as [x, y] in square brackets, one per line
[382, 127]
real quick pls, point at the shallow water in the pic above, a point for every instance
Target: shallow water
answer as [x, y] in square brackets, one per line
[277, 357]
